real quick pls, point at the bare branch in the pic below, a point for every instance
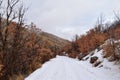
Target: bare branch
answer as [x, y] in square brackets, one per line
[21, 13]
[117, 16]
[1, 1]
[14, 2]
[10, 10]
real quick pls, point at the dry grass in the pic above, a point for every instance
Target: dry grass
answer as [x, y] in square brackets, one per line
[17, 77]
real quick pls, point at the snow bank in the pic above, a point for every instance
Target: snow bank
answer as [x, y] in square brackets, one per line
[64, 68]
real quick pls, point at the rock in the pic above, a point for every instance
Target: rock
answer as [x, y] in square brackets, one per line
[96, 63]
[93, 59]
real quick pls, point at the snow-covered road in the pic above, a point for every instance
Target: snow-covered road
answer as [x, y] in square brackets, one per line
[64, 68]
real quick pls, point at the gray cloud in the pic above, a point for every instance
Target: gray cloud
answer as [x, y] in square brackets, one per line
[66, 18]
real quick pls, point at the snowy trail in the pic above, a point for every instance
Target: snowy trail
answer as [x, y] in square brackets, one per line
[64, 68]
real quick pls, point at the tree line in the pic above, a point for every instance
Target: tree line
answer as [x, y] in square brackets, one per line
[94, 38]
[21, 49]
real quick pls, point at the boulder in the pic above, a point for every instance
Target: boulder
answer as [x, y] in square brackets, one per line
[93, 59]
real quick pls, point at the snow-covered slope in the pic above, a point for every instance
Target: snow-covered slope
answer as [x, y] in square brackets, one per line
[64, 68]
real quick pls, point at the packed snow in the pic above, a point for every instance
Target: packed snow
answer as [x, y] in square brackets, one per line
[65, 68]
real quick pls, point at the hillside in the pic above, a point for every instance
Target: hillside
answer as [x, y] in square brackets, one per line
[54, 40]
[95, 37]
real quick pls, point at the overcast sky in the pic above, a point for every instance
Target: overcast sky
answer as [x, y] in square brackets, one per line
[65, 18]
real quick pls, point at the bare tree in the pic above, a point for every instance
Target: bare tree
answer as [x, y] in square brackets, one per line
[12, 11]
[117, 16]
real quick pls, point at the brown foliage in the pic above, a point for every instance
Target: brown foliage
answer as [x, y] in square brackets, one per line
[117, 33]
[86, 43]
[91, 41]
[46, 54]
[112, 50]
[72, 55]
[24, 52]
[108, 50]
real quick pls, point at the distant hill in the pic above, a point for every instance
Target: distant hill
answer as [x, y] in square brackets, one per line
[54, 40]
